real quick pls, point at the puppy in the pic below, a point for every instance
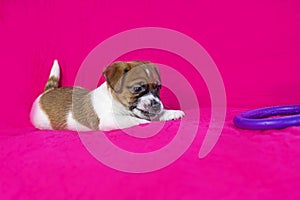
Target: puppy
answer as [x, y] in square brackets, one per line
[130, 96]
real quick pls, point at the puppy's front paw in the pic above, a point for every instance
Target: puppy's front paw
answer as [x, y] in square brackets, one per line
[171, 115]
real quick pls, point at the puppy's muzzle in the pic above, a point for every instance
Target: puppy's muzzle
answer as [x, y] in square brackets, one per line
[148, 108]
[154, 107]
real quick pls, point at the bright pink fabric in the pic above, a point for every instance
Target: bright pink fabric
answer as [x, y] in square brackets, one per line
[243, 165]
[256, 46]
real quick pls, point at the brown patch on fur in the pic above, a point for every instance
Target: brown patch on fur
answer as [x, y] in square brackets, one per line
[52, 83]
[119, 75]
[115, 73]
[59, 102]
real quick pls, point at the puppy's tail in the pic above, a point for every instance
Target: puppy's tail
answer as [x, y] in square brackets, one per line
[54, 77]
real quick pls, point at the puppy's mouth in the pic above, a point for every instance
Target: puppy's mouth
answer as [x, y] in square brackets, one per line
[147, 107]
[147, 113]
[144, 114]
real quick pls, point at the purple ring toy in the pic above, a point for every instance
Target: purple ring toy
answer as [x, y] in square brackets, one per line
[257, 119]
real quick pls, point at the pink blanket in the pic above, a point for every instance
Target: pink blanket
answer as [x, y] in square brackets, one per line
[243, 165]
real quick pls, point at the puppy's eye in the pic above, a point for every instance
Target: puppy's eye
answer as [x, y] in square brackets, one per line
[137, 89]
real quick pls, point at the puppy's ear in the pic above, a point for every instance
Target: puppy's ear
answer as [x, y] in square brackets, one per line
[115, 75]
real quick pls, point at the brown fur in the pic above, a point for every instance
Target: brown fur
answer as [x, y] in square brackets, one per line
[119, 75]
[57, 103]
[52, 83]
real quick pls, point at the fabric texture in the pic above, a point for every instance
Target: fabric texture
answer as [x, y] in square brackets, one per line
[243, 165]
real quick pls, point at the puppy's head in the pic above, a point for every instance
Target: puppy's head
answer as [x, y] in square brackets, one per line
[136, 86]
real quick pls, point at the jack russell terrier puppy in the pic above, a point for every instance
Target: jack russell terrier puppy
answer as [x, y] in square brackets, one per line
[129, 97]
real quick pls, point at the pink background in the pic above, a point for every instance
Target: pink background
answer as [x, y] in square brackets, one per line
[256, 46]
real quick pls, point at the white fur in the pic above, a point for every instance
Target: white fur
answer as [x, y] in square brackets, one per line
[38, 117]
[171, 115]
[147, 72]
[146, 100]
[55, 70]
[111, 113]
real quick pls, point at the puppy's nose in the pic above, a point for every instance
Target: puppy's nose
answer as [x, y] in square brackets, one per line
[155, 105]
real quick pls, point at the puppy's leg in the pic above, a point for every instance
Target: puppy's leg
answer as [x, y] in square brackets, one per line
[171, 115]
[129, 121]
[121, 122]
